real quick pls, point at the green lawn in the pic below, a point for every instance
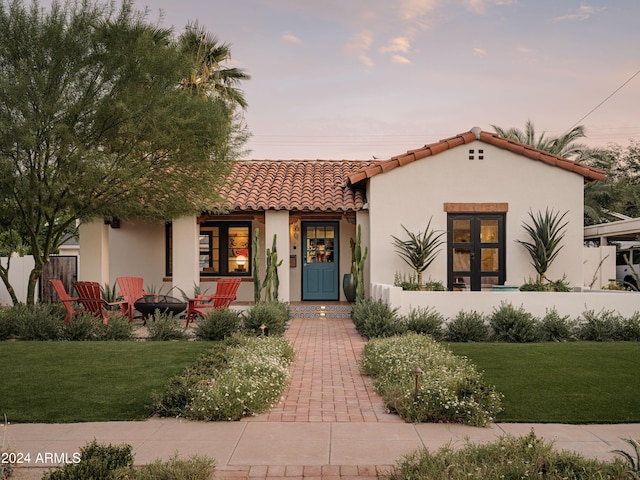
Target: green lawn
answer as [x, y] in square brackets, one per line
[87, 381]
[97, 381]
[578, 382]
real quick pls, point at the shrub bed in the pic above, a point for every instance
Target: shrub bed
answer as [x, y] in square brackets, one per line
[45, 322]
[510, 324]
[218, 325]
[239, 377]
[163, 327]
[508, 457]
[467, 327]
[115, 462]
[376, 319]
[273, 315]
[449, 389]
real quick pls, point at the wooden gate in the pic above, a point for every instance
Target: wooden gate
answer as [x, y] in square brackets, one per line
[63, 267]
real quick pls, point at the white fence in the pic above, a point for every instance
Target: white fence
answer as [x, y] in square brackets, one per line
[18, 277]
[450, 304]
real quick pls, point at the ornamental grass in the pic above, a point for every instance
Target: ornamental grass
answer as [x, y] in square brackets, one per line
[508, 457]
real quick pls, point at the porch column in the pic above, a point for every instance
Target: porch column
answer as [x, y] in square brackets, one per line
[94, 252]
[277, 222]
[185, 264]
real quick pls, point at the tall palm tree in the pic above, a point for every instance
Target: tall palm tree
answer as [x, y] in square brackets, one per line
[209, 76]
[564, 146]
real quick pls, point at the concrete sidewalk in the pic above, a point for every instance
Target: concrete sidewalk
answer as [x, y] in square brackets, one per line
[291, 449]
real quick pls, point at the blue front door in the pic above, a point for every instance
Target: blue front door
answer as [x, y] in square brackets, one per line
[320, 260]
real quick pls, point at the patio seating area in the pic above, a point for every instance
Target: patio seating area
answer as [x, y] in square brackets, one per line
[132, 297]
[225, 294]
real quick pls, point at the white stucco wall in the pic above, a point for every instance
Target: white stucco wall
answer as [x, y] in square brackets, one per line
[137, 249]
[94, 252]
[411, 194]
[449, 304]
[277, 223]
[599, 266]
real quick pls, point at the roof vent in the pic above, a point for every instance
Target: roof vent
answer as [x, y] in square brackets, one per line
[476, 131]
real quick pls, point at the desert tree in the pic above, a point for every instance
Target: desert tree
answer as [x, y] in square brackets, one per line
[94, 124]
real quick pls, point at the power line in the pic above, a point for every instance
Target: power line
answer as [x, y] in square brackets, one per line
[603, 101]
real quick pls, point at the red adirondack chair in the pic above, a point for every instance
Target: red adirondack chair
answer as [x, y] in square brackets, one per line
[226, 291]
[66, 299]
[90, 297]
[131, 289]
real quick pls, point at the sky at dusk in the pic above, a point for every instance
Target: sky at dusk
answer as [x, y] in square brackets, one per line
[354, 79]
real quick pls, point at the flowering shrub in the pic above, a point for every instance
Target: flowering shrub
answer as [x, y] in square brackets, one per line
[244, 379]
[449, 389]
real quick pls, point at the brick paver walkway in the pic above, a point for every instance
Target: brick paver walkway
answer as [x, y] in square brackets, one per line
[326, 384]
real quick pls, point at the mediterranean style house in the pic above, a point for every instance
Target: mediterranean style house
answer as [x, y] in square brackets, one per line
[476, 186]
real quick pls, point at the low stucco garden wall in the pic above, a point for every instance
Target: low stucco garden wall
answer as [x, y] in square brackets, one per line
[450, 304]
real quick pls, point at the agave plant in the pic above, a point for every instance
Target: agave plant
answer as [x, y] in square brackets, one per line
[546, 232]
[420, 250]
[634, 463]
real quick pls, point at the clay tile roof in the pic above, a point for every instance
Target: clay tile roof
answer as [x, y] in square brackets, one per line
[588, 173]
[298, 185]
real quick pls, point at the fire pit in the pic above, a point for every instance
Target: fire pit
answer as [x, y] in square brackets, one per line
[148, 304]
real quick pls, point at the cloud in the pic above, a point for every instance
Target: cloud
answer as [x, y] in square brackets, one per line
[400, 59]
[480, 6]
[366, 61]
[475, 6]
[288, 38]
[398, 44]
[582, 13]
[523, 49]
[413, 9]
[358, 47]
[479, 52]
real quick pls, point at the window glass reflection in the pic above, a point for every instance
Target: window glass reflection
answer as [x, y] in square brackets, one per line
[462, 231]
[489, 231]
[489, 260]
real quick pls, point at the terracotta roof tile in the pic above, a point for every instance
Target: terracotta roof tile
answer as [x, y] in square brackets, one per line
[298, 185]
[588, 173]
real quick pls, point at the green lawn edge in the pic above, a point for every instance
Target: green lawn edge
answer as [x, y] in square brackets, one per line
[87, 381]
[574, 382]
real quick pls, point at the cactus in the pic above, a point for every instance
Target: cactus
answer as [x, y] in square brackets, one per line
[274, 261]
[257, 286]
[357, 263]
[271, 281]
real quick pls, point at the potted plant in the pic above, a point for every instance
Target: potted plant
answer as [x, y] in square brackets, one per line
[420, 250]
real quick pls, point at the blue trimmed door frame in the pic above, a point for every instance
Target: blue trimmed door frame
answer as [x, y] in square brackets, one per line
[320, 261]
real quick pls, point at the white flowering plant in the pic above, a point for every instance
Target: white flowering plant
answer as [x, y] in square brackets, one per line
[447, 389]
[244, 379]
